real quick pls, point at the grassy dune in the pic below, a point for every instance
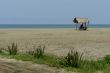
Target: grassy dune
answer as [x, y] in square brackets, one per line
[73, 62]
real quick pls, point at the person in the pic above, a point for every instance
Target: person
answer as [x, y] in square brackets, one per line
[81, 27]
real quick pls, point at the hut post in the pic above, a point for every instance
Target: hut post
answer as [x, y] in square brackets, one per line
[85, 25]
[76, 26]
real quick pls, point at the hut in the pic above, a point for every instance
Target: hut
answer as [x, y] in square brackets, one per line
[82, 22]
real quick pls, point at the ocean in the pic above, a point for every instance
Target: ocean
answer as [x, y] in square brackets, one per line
[10, 26]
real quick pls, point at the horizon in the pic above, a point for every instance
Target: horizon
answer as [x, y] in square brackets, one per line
[54, 24]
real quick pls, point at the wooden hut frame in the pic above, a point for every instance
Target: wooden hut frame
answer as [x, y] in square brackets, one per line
[80, 21]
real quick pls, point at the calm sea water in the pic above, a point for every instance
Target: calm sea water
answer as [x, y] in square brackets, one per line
[2, 26]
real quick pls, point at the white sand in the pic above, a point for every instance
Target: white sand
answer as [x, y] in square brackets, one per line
[94, 43]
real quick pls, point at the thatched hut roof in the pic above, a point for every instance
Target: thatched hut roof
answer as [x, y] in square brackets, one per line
[81, 20]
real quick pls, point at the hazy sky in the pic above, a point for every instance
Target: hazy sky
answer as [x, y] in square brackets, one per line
[53, 11]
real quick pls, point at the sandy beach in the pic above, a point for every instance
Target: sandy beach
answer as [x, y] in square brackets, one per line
[94, 43]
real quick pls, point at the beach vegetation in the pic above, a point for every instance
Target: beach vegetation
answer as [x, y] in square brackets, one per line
[1, 50]
[13, 49]
[73, 61]
[107, 59]
[37, 52]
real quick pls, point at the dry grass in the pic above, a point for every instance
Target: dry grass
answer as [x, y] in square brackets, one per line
[94, 42]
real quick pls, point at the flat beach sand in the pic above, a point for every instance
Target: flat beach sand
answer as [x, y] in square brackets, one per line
[94, 43]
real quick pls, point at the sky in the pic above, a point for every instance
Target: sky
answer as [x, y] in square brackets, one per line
[53, 11]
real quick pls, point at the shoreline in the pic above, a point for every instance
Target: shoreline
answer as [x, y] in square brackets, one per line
[45, 28]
